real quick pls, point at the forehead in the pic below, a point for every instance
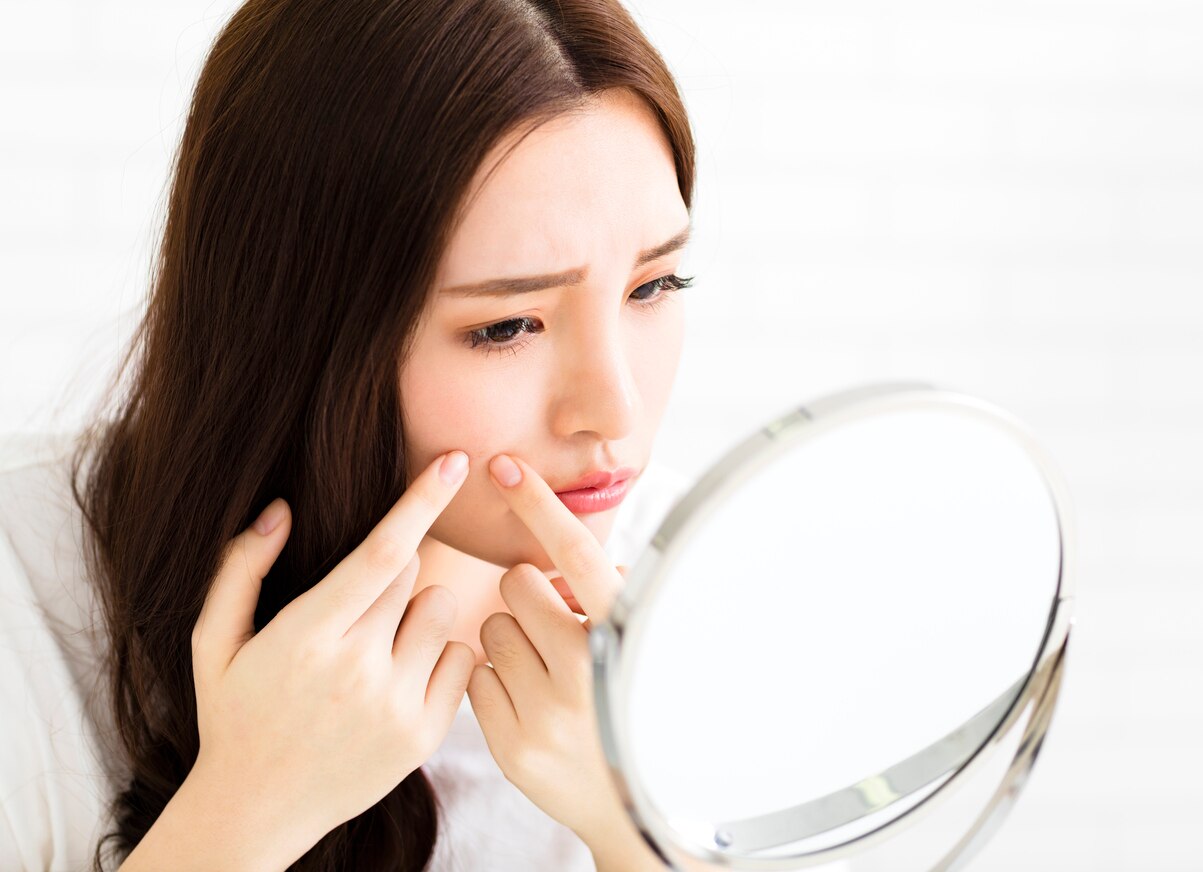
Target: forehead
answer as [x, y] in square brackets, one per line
[580, 187]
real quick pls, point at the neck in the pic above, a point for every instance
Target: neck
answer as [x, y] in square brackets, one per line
[473, 581]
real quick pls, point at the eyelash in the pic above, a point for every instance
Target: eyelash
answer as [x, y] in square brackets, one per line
[665, 284]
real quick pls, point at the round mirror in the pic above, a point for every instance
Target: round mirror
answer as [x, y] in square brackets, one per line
[843, 644]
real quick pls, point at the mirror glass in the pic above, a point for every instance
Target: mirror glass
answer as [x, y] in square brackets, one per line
[832, 622]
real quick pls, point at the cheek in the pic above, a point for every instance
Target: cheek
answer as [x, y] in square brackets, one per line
[451, 401]
[657, 358]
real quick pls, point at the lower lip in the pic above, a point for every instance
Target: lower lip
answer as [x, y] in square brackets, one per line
[593, 499]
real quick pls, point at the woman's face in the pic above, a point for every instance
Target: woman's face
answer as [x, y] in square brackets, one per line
[582, 385]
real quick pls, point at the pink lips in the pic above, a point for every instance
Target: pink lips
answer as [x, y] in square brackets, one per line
[600, 479]
[599, 499]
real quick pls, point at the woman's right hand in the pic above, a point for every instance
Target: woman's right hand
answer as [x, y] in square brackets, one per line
[336, 700]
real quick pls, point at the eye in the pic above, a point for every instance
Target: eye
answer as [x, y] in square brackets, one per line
[664, 285]
[501, 336]
[485, 336]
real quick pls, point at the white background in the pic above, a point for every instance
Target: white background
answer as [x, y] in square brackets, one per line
[1005, 198]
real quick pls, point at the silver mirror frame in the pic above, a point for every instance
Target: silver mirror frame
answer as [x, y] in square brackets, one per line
[1026, 720]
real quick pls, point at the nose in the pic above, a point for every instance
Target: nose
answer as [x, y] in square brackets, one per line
[596, 390]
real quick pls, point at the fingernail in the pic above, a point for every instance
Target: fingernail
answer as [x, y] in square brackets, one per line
[505, 470]
[270, 517]
[453, 467]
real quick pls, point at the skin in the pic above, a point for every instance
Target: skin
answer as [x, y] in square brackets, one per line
[535, 702]
[588, 387]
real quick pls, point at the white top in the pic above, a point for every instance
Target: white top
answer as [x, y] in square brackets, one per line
[58, 767]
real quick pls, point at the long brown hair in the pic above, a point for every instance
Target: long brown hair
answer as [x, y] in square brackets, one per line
[328, 149]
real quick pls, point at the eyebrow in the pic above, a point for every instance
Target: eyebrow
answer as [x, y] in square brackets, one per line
[508, 287]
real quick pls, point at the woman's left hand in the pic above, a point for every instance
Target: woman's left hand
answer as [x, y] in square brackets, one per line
[535, 704]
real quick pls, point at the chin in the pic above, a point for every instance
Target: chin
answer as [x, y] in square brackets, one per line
[502, 554]
[510, 556]
[511, 543]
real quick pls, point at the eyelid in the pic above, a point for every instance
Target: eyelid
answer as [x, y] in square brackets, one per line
[473, 339]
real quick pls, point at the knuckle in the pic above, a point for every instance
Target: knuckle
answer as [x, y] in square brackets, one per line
[343, 597]
[432, 643]
[492, 627]
[438, 610]
[519, 578]
[530, 573]
[385, 552]
[497, 637]
[436, 619]
[462, 652]
[458, 652]
[442, 599]
[306, 653]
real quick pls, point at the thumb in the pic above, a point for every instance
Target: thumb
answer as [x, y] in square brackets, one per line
[227, 617]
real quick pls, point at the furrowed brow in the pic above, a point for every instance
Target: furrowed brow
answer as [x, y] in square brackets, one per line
[528, 284]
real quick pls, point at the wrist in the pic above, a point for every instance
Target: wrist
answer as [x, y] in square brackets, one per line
[209, 825]
[623, 849]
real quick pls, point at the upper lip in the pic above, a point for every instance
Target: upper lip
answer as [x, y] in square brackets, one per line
[600, 478]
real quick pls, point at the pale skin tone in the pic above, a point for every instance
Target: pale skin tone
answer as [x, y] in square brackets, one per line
[585, 390]
[587, 386]
[579, 386]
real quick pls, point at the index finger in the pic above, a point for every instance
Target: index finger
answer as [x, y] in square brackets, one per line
[572, 547]
[341, 598]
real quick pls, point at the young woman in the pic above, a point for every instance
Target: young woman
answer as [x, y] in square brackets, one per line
[401, 235]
